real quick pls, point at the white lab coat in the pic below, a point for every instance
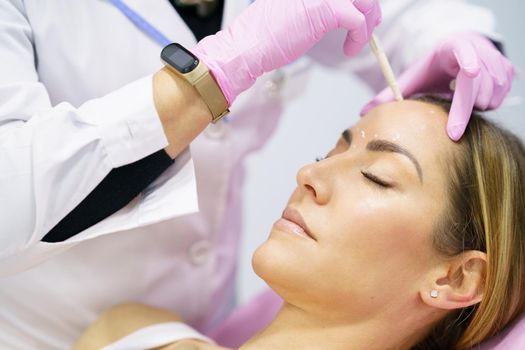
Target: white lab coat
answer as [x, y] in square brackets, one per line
[76, 101]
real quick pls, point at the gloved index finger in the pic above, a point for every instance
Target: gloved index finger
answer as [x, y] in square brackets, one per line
[467, 89]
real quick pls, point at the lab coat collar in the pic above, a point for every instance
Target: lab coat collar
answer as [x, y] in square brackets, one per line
[161, 15]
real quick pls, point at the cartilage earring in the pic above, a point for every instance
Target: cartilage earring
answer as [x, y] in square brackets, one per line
[434, 293]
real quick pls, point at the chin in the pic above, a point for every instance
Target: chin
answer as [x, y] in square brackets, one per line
[281, 266]
[275, 255]
[264, 261]
[267, 265]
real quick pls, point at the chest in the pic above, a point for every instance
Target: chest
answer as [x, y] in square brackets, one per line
[87, 48]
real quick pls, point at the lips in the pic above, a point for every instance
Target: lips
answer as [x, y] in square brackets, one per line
[293, 221]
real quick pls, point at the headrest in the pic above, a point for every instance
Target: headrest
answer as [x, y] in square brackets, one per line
[512, 337]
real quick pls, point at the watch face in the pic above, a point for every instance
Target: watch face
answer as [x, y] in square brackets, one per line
[178, 57]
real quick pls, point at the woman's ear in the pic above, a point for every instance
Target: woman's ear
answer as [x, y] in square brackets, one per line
[458, 283]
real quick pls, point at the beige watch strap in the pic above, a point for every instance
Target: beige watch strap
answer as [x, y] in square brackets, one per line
[209, 90]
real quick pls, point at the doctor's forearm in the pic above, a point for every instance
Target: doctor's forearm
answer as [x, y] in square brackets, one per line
[183, 115]
[181, 110]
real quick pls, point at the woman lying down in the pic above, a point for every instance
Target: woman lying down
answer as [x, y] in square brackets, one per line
[398, 239]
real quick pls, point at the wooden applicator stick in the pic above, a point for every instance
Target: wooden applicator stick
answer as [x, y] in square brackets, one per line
[386, 69]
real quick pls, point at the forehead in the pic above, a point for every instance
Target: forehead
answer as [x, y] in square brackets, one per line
[409, 122]
[420, 127]
[412, 115]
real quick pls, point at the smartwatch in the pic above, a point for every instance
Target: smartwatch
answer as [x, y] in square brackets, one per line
[187, 65]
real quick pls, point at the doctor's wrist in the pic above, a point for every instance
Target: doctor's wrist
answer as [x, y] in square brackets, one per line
[182, 111]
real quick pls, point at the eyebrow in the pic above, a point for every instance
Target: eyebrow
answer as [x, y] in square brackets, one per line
[387, 146]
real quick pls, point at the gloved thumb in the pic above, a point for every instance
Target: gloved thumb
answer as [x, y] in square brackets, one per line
[360, 19]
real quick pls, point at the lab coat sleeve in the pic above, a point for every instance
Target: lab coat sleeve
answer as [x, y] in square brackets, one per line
[51, 157]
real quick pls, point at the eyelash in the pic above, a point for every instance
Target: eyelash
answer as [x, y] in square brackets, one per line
[375, 180]
[370, 177]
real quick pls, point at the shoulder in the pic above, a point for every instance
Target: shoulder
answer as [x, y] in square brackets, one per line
[121, 320]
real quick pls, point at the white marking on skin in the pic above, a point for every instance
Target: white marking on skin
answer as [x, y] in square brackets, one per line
[363, 134]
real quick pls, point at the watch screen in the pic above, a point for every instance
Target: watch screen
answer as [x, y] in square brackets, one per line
[181, 58]
[178, 57]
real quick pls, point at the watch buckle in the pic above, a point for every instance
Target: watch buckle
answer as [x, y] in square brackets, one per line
[218, 118]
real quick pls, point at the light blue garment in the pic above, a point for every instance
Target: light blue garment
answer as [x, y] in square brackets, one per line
[141, 23]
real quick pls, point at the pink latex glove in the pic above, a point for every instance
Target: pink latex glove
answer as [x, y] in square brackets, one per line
[272, 33]
[483, 78]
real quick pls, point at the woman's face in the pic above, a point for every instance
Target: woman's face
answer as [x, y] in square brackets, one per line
[369, 210]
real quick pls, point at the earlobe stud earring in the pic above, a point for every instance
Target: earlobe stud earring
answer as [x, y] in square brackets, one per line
[434, 293]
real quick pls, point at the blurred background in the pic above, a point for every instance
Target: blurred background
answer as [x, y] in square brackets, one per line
[299, 138]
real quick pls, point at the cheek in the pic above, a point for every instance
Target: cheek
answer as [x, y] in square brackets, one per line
[381, 237]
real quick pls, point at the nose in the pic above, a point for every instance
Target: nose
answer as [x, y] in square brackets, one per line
[313, 181]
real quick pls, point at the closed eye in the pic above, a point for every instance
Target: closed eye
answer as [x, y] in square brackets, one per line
[376, 180]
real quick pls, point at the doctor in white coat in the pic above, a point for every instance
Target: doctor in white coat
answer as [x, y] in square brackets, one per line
[76, 103]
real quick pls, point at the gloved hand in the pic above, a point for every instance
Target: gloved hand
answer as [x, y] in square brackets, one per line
[272, 33]
[483, 78]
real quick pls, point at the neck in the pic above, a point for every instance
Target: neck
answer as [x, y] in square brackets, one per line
[294, 328]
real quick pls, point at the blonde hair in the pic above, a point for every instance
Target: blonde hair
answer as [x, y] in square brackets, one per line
[486, 212]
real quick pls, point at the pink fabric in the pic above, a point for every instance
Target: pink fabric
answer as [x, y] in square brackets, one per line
[513, 337]
[247, 320]
[483, 78]
[272, 33]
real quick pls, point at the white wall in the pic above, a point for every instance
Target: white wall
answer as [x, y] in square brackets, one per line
[298, 140]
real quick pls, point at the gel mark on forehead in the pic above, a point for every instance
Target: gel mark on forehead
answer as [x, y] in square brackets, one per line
[386, 146]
